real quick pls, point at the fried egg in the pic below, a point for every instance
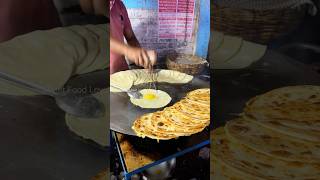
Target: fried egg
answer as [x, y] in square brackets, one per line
[152, 99]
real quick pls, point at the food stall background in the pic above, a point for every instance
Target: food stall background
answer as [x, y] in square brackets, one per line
[182, 26]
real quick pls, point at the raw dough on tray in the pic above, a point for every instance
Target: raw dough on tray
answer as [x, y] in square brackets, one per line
[126, 79]
[49, 58]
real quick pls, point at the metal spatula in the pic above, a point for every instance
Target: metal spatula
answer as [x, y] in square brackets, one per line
[81, 106]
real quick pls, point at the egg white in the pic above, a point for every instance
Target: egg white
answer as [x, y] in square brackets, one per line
[161, 99]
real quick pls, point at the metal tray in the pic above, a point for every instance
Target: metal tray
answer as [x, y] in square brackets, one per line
[123, 113]
[37, 144]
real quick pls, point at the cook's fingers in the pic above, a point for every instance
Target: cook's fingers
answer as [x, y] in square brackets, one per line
[145, 59]
[140, 60]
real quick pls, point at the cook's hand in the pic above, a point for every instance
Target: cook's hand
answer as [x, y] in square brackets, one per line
[141, 57]
[98, 7]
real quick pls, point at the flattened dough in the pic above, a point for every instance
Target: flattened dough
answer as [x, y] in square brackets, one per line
[49, 58]
[126, 79]
[93, 129]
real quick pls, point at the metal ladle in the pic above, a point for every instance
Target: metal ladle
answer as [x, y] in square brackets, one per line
[81, 106]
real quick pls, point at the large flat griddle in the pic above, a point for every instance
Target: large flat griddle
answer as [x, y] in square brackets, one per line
[123, 113]
[37, 144]
[233, 88]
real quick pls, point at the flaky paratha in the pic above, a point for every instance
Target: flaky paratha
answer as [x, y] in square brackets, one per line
[183, 119]
[248, 161]
[293, 110]
[271, 142]
[164, 125]
[199, 96]
[222, 172]
[192, 110]
[142, 125]
[277, 125]
[295, 106]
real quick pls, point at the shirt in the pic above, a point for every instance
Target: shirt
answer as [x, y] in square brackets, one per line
[23, 16]
[119, 24]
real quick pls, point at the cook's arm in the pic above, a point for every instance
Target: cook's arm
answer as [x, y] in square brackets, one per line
[131, 38]
[133, 52]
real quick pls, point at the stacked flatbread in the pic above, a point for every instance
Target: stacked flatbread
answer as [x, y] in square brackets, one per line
[126, 79]
[186, 117]
[277, 137]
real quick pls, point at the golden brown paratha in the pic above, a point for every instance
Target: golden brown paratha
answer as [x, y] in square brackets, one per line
[271, 142]
[246, 160]
[192, 110]
[296, 106]
[200, 96]
[293, 110]
[310, 135]
[182, 119]
[142, 125]
[168, 125]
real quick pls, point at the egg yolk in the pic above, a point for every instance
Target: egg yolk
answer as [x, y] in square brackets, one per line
[149, 96]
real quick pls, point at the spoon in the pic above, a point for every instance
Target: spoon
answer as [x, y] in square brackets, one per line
[81, 106]
[134, 93]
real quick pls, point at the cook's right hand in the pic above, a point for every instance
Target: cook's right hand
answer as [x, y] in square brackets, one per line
[141, 57]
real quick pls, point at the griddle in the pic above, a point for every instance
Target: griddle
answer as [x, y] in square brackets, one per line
[37, 144]
[123, 113]
[233, 88]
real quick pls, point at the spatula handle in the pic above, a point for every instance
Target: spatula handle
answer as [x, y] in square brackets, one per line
[32, 86]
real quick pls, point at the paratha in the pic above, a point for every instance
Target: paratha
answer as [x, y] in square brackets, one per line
[222, 172]
[295, 106]
[199, 96]
[173, 121]
[248, 161]
[310, 135]
[193, 110]
[183, 119]
[164, 125]
[293, 110]
[271, 142]
[142, 125]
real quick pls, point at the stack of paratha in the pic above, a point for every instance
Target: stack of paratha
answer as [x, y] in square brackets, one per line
[277, 137]
[188, 116]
